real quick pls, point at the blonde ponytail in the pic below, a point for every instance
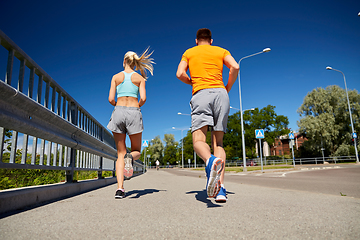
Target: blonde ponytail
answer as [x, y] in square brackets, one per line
[142, 63]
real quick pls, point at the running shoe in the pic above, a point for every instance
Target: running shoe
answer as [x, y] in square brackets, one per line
[128, 170]
[221, 197]
[119, 194]
[213, 172]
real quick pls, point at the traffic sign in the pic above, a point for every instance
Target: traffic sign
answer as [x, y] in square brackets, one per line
[145, 143]
[354, 135]
[291, 136]
[259, 133]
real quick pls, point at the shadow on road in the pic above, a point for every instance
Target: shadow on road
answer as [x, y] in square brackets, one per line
[202, 197]
[139, 193]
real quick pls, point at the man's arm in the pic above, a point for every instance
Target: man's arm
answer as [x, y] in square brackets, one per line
[181, 72]
[230, 62]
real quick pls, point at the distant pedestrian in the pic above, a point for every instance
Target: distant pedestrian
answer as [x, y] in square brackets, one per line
[126, 117]
[157, 164]
[209, 104]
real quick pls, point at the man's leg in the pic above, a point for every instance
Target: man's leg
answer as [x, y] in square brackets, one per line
[214, 165]
[199, 142]
[217, 145]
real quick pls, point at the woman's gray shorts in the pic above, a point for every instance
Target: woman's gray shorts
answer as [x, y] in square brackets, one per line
[126, 120]
[210, 107]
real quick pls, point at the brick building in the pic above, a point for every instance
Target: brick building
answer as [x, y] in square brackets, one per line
[281, 146]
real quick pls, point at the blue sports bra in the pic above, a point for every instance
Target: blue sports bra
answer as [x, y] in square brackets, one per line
[127, 88]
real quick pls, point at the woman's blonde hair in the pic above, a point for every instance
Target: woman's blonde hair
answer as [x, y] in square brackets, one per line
[140, 63]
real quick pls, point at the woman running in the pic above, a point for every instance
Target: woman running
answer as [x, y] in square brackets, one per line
[126, 117]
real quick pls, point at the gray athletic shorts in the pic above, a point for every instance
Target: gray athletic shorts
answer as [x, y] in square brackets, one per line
[126, 120]
[210, 107]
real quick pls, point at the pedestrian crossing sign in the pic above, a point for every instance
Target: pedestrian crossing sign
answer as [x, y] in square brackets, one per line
[145, 143]
[354, 135]
[291, 136]
[259, 133]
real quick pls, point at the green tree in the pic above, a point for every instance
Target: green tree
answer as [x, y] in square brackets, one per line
[325, 120]
[7, 141]
[156, 150]
[266, 118]
[188, 148]
[170, 149]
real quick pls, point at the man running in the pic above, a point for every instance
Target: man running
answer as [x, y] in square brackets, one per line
[209, 104]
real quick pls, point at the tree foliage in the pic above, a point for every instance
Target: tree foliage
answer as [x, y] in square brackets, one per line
[170, 150]
[266, 118]
[156, 150]
[15, 178]
[325, 120]
[7, 141]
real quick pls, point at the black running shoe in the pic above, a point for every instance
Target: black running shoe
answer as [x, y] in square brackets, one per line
[120, 194]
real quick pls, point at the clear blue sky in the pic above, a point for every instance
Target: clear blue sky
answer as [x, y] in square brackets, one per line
[81, 44]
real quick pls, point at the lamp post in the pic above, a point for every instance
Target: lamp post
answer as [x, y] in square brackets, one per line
[179, 113]
[242, 135]
[182, 145]
[241, 111]
[351, 121]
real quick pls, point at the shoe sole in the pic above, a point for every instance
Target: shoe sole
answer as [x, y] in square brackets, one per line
[213, 186]
[221, 200]
[128, 170]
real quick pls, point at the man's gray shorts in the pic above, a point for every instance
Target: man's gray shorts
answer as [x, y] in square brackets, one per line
[210, 107]
[126, 120]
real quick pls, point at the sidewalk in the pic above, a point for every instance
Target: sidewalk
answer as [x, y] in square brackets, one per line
[161, 205]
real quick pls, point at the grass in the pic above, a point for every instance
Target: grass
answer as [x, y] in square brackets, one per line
[250, 168]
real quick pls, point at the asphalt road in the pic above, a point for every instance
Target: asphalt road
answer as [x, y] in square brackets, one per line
[337, 180]
[172, 204]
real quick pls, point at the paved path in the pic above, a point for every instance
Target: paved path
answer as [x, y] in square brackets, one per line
[163, 205]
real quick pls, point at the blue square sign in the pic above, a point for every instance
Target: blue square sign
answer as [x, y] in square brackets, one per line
[354, 135]
[145, 143]
[291, 136]
[259, 133]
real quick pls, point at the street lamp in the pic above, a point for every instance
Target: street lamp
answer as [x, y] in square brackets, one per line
[186, 114]
[351, 121]
[179, 113]
[251, 109]
[182, 145]
[241, 111]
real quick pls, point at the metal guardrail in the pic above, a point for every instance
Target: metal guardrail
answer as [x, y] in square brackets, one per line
[298, 161]
[285, 161]
[70, 138]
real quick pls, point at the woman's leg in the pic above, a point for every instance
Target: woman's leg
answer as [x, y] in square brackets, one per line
[121, 151]
[135, 145]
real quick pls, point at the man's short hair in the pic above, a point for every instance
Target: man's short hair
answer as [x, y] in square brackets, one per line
[203, 34]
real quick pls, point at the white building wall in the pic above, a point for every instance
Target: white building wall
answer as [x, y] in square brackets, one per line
[265, 148]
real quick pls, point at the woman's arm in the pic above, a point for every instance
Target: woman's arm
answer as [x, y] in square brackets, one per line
[142, 91]
[112, 92]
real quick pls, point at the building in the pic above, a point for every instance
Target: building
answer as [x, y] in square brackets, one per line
[282, 146]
